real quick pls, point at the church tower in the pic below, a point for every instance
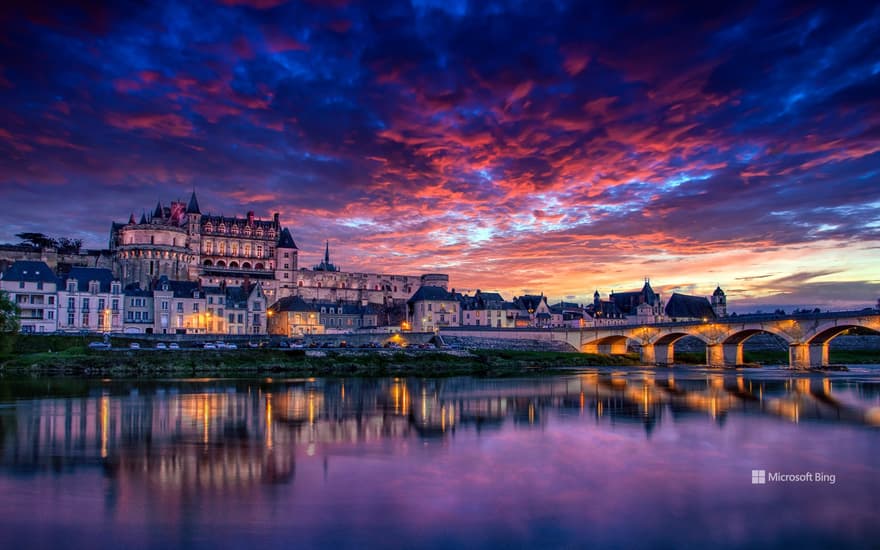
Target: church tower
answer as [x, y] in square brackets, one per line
[719, 302]
[286, 261]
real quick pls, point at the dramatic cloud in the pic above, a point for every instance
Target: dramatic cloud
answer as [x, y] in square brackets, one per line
[521, 146]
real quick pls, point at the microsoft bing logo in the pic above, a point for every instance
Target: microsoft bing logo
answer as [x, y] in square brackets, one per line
[759, 477]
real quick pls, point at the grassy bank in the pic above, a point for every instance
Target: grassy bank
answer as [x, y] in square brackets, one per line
[80, 361]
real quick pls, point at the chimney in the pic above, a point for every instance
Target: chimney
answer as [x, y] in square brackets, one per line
[250, 217]
[277, 218]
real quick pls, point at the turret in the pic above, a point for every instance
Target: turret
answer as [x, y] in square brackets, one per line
[596, 298]
[286, 260]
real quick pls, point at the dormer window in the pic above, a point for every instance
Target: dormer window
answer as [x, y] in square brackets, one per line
[71, 286]
[259, 232]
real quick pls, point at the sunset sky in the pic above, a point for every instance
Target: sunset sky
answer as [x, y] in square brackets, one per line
[523, 147]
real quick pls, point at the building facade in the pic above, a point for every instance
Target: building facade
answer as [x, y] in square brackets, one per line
[90, 299]
[33, 287]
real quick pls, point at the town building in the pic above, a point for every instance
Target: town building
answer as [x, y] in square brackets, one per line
[292, 316]
[433, 307]
[488, 309]
[533, 311]
[642, 306]
[33, 287]
[90, 299]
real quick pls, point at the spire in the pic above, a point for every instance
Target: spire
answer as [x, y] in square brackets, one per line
[131, 220]
[193, 206]
[327, 253]
[158, 212]
[143, 217]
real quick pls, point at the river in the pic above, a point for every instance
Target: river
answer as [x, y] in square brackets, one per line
[604, 457]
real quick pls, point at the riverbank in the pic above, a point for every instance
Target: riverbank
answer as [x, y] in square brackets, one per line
[76, 361]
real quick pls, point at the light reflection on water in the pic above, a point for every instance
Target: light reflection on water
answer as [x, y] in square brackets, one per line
[606, 457]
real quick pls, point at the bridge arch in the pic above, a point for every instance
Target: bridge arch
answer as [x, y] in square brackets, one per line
[829, 331]
[609, 345]
[661, 350]
[731, 349]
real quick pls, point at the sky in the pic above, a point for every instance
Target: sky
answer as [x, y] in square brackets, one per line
[554, 146]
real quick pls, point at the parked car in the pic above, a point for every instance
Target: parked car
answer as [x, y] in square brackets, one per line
[219, 344]
[231, 346]
[173, 345]
[209, 345]
[134, 345]
[161, 345]
[254, 344]
[98, 345]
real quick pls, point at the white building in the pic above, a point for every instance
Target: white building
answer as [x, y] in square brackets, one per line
[33, 287]
[90, 299]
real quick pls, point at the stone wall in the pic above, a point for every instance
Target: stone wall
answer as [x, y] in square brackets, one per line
[470, 342]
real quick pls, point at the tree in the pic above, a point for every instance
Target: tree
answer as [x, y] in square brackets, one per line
[68, 246]
[8, 314]
[36, 240]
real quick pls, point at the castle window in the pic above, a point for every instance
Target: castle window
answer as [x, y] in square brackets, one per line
[246, 265]
[233, 264]
[247, 231]
[259, 232]
[259, 266]
[208, 263]
[259, 251]
[234, 230]
[71, 286]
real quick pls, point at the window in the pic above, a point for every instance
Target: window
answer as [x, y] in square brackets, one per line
[50, 315]
[39, 285]
[259, 251]
[241, 318]
[195, 308]
[180, 307]
[20, 284]
[71, 286]
[51, 301]
[256, 319]
[85, 321]
[287, 255]
[130, 315]
[70, 318]
[85, 304]
[179, 321]
[258, 305]
[101, 304]
[210, 300]
[164, 305]
[286, 266]
[71, 303]
[115, 306]
[231, 317]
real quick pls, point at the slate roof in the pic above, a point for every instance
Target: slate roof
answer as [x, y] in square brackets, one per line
[85, 275]
[179, 289]
[293, 303]
[193, 206]
[682, 306]
[30, 272]
[432, 293]
[286, 240]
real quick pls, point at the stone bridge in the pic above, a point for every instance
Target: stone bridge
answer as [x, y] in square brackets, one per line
[808, 336]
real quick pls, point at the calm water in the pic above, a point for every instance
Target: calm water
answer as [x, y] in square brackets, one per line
[607, 457]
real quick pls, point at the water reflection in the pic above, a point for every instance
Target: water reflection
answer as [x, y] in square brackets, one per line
[185, 439]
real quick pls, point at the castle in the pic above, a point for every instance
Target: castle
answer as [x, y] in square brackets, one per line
[179, 242]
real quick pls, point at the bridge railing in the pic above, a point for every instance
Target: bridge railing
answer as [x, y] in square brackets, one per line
[729, 320]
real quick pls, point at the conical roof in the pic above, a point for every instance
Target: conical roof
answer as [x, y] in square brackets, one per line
[193, 206]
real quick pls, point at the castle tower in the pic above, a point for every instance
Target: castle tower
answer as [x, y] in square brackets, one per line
[286, 261]
[596, 299]
[194, 234]
[719, 302]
